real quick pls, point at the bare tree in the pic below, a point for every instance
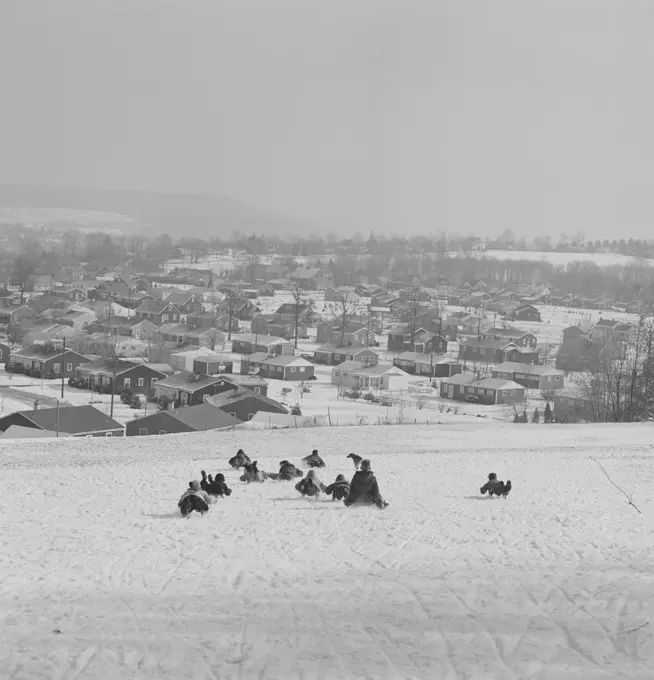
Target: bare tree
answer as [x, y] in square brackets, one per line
[344, 310]
[297, 291]
[232, 303]
[413, 311]
[23, 271]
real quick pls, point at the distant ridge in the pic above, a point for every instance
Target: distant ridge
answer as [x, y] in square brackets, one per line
[178, 214]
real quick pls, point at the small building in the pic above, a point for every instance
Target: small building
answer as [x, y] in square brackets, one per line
[571, 405]
[244, 404]
[183, 360]
[355, 334]
[357, 375]
[526, 313]
[143, 329]
[530, 376]
[14, 315]
[198, 418]
[5, 353]
[49, 360]
[250, 343]
[78, 421]
[212, 365]
[333, 355]
[278, 367]
[186, 388]
[417, 363]
[118, 375]
[489, 391]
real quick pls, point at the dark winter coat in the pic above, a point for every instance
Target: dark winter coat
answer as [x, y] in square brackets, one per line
[239, 460]
[339, 490]
[219, 487]
[364, 490]
[493, 487]
[314, 461]
[288, 471]
[308, 487]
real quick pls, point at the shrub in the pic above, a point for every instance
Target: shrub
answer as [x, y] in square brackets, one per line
[355, 393]
[296, 410]
[369, 396]
[536, 417]
[135, 402]
[126, 396]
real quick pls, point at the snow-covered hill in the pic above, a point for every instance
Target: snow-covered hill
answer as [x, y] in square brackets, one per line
[101, 577]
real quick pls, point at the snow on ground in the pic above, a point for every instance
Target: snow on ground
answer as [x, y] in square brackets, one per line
[101, 578]
[563, 259]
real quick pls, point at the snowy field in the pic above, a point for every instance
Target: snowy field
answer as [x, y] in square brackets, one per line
[101, 578]
[562, 259]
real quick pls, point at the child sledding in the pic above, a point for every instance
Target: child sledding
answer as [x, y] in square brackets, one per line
[339, 490]
[495, 487]
[364, 489]
[194, 500]
[311, 486]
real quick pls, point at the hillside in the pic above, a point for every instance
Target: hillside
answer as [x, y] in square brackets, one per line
[102, 578]
[197, 215]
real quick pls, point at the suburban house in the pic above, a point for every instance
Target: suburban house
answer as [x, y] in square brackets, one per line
[399, 338]
[185, 419]
[187, 389]
[530, 376]
[220, 321]
[143, 329]
[138, 377]
[289, 311]
[427, 342]
[158, 313]
[250, 343]
[77, 319]
[10, 298]
[334, 355]
[486, 351]
[356, 374]
[574, 332]
[234, 381]
[185, 302]
[526, 313]
[184, 360]
[609, 330]
[5, 353]
[47, 360]
[78, 421]
[576, 354]
[242, 308]
[212, 365]
[572, 405]
[515, 335]
[310, 278]
[278, 367]
[488, 391]
[352, 334]
[418, 363]
[244, 404]
[14, 315]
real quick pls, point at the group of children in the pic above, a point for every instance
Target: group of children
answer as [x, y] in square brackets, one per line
[362, 490]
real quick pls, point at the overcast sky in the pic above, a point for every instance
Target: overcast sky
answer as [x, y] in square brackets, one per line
[397, 115]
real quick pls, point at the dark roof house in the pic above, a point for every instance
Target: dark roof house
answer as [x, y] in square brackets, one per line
[79, 421]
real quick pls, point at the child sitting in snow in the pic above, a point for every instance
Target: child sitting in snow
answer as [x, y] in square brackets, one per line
[339, 490]
[194, 499]
[314, 460]
[218, 487]
[310, 486]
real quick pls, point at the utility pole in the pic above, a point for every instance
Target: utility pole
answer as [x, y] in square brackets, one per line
[57, 417]
[63, 368]
[113, 384]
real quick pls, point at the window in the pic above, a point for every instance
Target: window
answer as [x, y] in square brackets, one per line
[141, 382]
[513, 393]
[153, 382]
[106, 380]
[292, 369]
[164, 317]
[143, 431]
[184, 397]
[0, 353]
[108, 434]
[127, 382]
[257, 390]
[56, 368]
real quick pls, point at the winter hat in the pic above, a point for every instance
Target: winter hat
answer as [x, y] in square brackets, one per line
[284, 462]
[340, 478]
[204, 474]
[240, 452]
[365, 465]
[195, 485]
[220, 477]
[314, 452]
[492, 476]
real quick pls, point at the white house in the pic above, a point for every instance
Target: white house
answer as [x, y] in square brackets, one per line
[357, 374]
